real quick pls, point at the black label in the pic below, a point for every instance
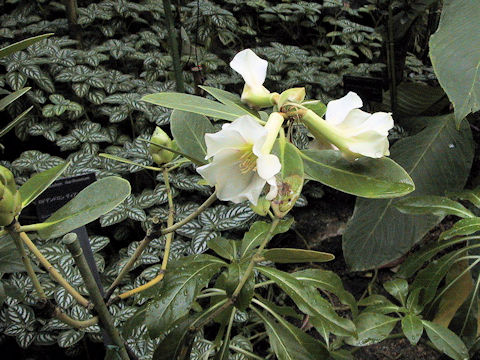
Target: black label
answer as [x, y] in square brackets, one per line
[61, 192]
[368, 88]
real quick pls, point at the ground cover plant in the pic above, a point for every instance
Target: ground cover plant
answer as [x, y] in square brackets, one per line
[199, 208]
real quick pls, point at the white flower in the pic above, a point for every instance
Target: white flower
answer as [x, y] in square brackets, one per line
[242, 163]
[253, 69]
[354, 132]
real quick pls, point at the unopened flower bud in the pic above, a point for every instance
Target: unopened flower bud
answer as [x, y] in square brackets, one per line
[296, 95]
[160, 156]
[262, 207]
[10, 199]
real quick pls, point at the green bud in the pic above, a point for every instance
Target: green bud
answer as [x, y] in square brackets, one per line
[296, 95]
[10, 199]
[289, 190]
[262, 207]
[258, 97]
[160, 156]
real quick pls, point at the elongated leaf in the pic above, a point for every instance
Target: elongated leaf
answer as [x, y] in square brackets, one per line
[37, 184]
[378, 233]
[189, 131]
[230, 99]
[462, 228]
[412, 328]
[10, 49]
[366, 177]
[4, 102]
[289, 256]
[223, 247]
[194, 160]
[178, 343]
[446, 341]
[289, 342]
[259, 229]
[233, 276]
[88, 205]
[195, 104]
[329, 281]
[178, 290]
[130, 162]
[14, 122]
[455, 55]
[371, 329]
[309, 300]
[431, 204]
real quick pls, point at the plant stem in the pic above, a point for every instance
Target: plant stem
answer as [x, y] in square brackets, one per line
[53, 272]
[79, 324]
[106, 320]
[192, 216]
[72, 15]
[253, 261]
[173, 44]
[12, 230]
[170, 219]
[248, 354]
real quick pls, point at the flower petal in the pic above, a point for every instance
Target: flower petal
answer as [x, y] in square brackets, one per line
[337, 110]
[223, 162]
[224, 139]
[268, 166]
[250, 130]
[370, 144]
[252, 68]
[272, 194]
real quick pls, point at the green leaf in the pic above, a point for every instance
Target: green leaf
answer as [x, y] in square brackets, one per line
[329, 281]
[194, 104]
[471, 195]
[7, 100]
[69, 338]
[412, 328]
[289, 256]
[366, 177]
[177, 291]
[462, 228]
[378, 233]
[291, 343]
[371, 329]
[38, 183]
[231, 100]
[189, 131]
[18, 46]
[126, 161]
[14, 122]
[88, 205]
[398, 288]
[223, 247]
[309, 300]
[455, 55]
[446, 341]
[10, 259]
[178, 343]
[316, 106]
[257, 232]
[432, 204]
[233, 276]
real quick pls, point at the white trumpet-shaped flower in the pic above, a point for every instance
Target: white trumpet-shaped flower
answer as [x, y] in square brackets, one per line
[354, 132]
[253, 70]
[242, 163]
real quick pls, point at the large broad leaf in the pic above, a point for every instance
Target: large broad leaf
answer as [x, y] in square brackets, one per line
[455, 55]
[195, 104]
[309, 301]
[432, 204]
[446, 341]
[371, 329]
[258, 231]
[175, 295]
[189, 131]
[438, 159]
[39, 182]
[231, 99]
[88, 205]
[10, 49]
[366, 177]
[10, 258]
[290, 343]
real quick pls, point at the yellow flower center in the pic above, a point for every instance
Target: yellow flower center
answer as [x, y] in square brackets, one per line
[248, 160]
